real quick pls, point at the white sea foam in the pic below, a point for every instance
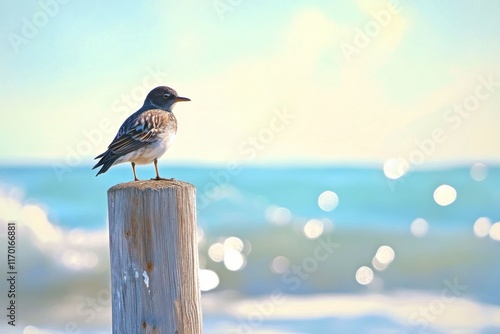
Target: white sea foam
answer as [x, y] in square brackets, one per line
[62, 275]
[407, 311]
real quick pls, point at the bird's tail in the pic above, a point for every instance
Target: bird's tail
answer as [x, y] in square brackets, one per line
[107, 160]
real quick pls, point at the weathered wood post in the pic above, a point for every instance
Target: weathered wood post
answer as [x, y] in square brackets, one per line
[154, 258]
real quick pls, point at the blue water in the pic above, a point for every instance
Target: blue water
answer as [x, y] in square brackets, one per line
[372, 211]
[366, 197]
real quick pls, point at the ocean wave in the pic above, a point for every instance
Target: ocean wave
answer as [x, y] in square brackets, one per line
[59, 271]
[399, 312]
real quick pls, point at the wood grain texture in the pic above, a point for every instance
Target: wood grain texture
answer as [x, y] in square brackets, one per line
[154, 258]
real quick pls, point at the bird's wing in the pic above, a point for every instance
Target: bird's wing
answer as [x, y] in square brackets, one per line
[137, 132]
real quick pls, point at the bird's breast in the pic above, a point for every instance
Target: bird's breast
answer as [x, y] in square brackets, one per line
[155, 150]
[165, 128]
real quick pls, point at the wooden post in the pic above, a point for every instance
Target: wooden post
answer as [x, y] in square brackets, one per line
[154, 258]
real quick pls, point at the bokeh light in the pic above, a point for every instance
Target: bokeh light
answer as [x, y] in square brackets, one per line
[445, 195]
[79, 260]
[278, 215]
[364, 275]
[230, 252]
[479, 172]
[208, 279]
[280, 264]
[216, 252]
[395, 168]
[234, 260]
[419, 227]
[313, 228]
[328, 200]
[233, 243]
[482, 227]
[495, 231]
[385, 254]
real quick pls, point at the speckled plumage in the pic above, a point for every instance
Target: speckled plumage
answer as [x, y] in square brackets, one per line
[146, 134]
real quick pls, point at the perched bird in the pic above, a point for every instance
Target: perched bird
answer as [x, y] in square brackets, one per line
[146, 134]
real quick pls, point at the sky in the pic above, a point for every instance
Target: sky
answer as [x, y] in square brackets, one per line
[295, 81]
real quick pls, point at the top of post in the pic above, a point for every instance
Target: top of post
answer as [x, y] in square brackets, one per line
[151, 185]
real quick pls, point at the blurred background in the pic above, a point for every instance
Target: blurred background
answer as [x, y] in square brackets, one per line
[345, 155]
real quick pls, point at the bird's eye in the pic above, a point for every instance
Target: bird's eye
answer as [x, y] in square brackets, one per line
[166, 95]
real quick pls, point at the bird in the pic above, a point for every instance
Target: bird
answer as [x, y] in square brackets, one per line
[146, 134]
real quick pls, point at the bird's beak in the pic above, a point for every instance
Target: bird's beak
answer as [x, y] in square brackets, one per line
[181, 99]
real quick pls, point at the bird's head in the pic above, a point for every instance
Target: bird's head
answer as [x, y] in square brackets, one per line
[163, 98]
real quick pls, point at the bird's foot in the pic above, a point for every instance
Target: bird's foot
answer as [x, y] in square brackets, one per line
[136, 179]
[162, 178]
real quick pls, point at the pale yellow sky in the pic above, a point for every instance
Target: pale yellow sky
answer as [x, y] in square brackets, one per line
[358, 81]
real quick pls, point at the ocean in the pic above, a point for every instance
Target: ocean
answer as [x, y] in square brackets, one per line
[283, 248]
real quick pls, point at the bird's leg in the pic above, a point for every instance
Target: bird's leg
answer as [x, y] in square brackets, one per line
[133, 169]
[158, 174]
